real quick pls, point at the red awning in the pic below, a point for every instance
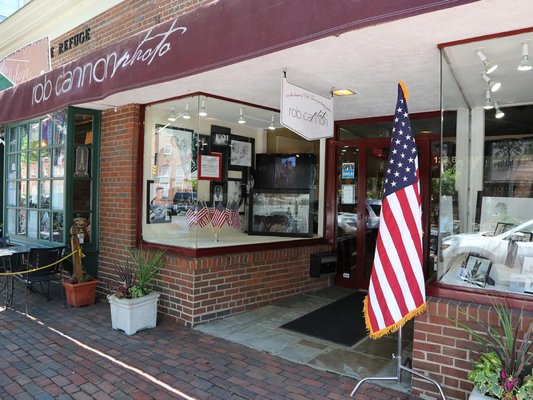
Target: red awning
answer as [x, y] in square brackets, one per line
[212, 36]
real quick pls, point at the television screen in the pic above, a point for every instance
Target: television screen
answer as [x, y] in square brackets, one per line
[285, 171]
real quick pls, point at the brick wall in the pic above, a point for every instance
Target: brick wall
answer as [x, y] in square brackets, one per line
[445, 352]
[121, 21]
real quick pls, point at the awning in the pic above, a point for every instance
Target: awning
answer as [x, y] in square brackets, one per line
[210, 37]
[4, 82]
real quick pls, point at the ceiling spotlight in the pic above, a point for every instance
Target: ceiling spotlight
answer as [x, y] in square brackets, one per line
[186, 114]
[241, 118]
[489, 67]
[342, 92]
[499, 113]
[524, 64]
[488, 104]
[271, 126]
[172, 117]
[202, 112]
[493, 85]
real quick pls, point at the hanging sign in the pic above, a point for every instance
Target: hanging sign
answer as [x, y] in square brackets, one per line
[27, 62]
[306, 113]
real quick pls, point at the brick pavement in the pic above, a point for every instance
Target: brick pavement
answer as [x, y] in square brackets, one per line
[37, 361]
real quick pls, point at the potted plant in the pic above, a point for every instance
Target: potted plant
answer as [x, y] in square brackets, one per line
[80, 288]
[134, 304]
[503, 370]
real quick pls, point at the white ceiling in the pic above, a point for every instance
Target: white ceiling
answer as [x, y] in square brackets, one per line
[371, 61]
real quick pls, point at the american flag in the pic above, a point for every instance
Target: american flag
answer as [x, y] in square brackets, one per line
[397, 292]
[234, 219]
[219, 216]
[202, 215]
[190, 216]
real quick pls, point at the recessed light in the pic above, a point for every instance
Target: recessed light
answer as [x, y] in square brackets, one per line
[342, 92]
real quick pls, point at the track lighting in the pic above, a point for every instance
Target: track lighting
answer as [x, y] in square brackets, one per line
[202, 112]
[499, 113]
[524, 64]
[493, 85]
[172, 117]
[488, 103]
[186, 114]
[241, 118]
[271, 126]
[489, 67]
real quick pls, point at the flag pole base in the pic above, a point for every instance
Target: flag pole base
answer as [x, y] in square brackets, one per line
[399, 369]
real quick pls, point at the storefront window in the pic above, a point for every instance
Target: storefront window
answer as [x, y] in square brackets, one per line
[486, 191]
[35, 178]
[219, 173]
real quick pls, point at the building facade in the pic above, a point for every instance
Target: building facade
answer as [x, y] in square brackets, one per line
[159, 124]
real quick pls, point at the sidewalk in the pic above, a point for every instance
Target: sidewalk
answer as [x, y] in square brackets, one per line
[69, 353]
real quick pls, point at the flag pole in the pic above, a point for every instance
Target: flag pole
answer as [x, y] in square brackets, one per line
[399, 368]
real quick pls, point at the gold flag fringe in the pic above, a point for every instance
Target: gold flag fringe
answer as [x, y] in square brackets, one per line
[392, 328]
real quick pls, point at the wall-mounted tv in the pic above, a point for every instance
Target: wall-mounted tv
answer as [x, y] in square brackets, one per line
[285, 171]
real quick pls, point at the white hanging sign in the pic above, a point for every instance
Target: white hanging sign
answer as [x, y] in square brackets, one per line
[306, 113]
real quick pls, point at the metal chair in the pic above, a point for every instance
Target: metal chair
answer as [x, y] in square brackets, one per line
[38, 258]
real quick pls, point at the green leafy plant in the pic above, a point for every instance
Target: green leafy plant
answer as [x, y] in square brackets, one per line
[137, 275]
[503, 369]
[84, 278]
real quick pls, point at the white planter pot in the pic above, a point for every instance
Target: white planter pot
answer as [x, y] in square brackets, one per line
[476, 395]
[132, 315]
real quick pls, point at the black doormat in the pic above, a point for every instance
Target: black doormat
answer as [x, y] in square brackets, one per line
[340, 322]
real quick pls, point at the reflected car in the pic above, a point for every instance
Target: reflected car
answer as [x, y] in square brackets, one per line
[347, 222]
[509, 247]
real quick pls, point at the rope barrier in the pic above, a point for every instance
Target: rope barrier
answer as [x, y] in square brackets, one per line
[41, 268]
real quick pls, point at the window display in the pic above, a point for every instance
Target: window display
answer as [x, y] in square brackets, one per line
[201, 175]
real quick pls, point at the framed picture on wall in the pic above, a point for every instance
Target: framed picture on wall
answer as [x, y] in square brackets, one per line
[237, 193]
[280, 212]
[158, 207]
[241, 153]
[210, 166]
[218, 194]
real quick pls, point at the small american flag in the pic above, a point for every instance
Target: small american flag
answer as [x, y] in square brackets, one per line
[234, 219]
[219, 216]
[190, 216]
[397, 291]
[202, 215]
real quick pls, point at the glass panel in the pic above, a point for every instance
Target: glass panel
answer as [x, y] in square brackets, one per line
[32, 224]
[45, 194]
[33, 199]
[81, 195]
[34, 164]
[45, 163]
[58, 189]
[12, 139]
[11, 194]
[347, 217]
[34, 136]
[57, 228]
[11, 220]
[59, 162]
[12, 166]
[44, 225]
[23, 193]
[21, 222]
[184, 171]
[486, 192]
[46, 135]
[23, 167]
[23, 137]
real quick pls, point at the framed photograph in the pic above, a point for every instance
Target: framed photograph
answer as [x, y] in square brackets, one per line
[177, 142]
[210, 166]
[241, 153]
[280, 212]
[158, 207]
[220, 136]
[477, 270]
[218, 194]
[236, 193]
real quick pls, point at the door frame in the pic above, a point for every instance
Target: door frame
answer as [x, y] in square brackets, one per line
[424, 142]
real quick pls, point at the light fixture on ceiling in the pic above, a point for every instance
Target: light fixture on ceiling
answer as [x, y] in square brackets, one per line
[342, 92]
[488, 103]
[489, 67]
[172, 116]
[493, 85]
[524, 65]
[499, 113]
[271, 126]
[186, 114]
[202, 112]
[241, 118]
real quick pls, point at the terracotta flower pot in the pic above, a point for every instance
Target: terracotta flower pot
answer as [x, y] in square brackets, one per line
[80, 294]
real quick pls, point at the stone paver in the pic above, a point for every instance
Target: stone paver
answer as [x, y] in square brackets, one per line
[72, 353]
